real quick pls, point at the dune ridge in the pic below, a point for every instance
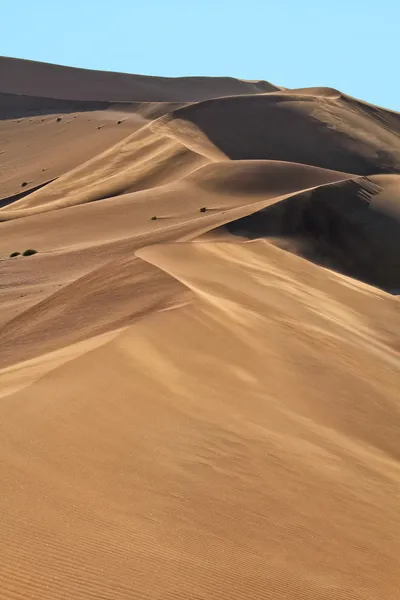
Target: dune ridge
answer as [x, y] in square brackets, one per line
[331, 130]
[199, 369]
[33, 78]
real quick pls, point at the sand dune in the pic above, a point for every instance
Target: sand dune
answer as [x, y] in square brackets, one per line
[40, 148]
[178, 457]
[32, 78]
[331, 130]
[82, 238]
[350, 226]
[199, 381]
[13, 106]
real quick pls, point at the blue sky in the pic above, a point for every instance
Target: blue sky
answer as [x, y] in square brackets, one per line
[352, 45]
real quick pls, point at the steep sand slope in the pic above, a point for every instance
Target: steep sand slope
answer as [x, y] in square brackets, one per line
[203, 405]
[141, 160]
[318, 127]
[351, 226]
[75, 241]
[86, 250]
[54, 81]
[147, 159]
[41, 147]
[232, 448]
[321, 127]
[18, 105]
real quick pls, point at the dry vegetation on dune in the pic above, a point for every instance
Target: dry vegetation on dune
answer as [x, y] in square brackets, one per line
[200, 330]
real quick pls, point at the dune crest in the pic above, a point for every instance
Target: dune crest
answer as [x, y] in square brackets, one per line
[200, 365]
[32, 78]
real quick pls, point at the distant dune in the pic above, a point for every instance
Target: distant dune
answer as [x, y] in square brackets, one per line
[200, 365]
[32, 78]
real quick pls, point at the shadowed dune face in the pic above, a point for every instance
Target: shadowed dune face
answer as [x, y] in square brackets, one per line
[13, 106]
[200, 365]
[344, 226]
[330, 132]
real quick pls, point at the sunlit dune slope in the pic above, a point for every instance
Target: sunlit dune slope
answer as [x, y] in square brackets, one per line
[200, 365]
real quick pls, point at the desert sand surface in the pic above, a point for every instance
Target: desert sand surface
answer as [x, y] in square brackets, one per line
[66, 83]
[200, 366]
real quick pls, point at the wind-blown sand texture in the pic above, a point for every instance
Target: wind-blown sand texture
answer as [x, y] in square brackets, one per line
[205, 405]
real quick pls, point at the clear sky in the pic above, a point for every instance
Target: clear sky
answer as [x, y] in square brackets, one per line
[352, 45]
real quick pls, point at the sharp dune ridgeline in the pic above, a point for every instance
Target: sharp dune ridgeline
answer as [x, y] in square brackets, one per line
[199, 339]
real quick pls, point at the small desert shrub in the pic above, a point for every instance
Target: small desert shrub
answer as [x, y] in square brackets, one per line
[29, 252]
[24, 183]
[14, 254]
[154, 218]
[59, 119]
[203, 209]
[119, 122]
